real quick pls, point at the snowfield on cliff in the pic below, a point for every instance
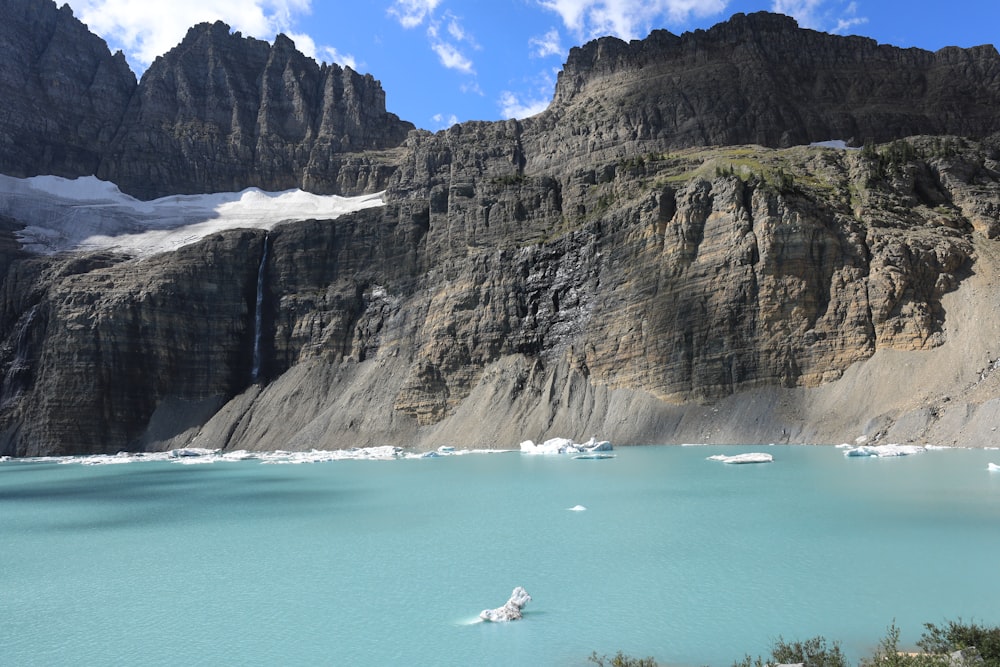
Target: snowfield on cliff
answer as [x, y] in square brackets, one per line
[83, 214]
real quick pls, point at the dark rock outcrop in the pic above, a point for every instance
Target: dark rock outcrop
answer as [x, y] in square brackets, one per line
[64, 94]
[759, 79]
[221, 112]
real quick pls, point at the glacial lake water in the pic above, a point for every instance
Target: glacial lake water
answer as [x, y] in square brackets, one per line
[691, 561]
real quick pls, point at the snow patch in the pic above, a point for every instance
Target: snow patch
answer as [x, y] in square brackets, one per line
[839, 144]
[749, 457]
[84, 214]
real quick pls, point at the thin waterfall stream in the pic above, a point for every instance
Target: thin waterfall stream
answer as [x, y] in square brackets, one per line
[258, 322]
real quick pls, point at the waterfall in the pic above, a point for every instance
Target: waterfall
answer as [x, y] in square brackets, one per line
[258, 319]
[20, 364]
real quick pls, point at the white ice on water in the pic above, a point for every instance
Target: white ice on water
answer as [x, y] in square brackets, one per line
[749, 457]
[565, 446]
[89, 214]
[511, 610]
[883, 451]
[201, 456]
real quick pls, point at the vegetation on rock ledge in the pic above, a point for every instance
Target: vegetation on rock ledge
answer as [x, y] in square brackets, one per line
[954, 644]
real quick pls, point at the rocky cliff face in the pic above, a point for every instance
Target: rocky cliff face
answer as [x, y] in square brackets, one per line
[569, 274]
[759, 79]
[219, 112]
[63, 92]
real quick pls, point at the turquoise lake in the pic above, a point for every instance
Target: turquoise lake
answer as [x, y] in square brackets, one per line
[691, 561]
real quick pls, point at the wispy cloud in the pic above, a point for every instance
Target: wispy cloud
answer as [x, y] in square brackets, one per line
[548, 44]
[829, 15]
[513, 106]
[627, 19]
[443, 122]
[145, 30]
[447, 36]
[451, 57]
[534, 101]
[411, 13]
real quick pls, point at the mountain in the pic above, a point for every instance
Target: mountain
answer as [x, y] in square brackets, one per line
[658, 257]
[218, 112]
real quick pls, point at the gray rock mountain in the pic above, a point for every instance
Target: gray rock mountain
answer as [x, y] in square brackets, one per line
[655, 258]
[219, 112]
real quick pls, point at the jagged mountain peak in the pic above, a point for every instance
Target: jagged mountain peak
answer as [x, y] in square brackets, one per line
[761, 79]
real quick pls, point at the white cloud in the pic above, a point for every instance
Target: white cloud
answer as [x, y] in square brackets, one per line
[145, 30]
[546, 45]
[628, 19]
[444, 122]
[452, 58]
[448, 48]
[803, 11]
[411, 13]
[829, 15]
[511, 106]
[332, 55]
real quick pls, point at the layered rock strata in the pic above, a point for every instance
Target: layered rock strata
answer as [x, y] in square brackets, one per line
[591, 270]
[692, 278]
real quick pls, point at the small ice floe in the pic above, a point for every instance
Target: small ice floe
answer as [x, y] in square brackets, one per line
[749, 457]
[883, 451]
[511, 611]
[566, 446]
[581, 508]
[993, 467]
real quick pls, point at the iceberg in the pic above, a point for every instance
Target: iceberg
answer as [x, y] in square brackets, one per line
[566, 446]
[750, 457]
[993, 467]
[581, 508]
[883, 451]
[511, 611]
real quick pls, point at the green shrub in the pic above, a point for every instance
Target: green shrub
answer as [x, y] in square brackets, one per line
[957, 636]
[888, 654]
[620, 660]
[812, 652]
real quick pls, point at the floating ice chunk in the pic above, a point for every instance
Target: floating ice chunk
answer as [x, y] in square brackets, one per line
[190, 452]
[883, 451]
[577, 508]
[565, 446]
[993, 467]
[511, 611]
[750, 457]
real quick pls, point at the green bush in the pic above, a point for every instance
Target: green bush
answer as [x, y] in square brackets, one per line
[888, 654]
[620, 660]
[812, 652]
[958, 636]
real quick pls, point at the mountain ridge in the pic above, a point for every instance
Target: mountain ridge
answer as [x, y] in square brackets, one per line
[587, 270]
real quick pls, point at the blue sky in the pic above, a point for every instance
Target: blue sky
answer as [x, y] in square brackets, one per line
[444, 61]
